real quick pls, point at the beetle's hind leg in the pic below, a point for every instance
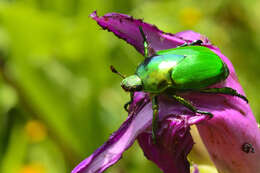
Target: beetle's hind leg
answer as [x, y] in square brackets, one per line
[194, 43]
[189, 105]
[225, 90]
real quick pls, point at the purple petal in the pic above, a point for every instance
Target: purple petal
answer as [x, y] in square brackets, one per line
[230, 130]
[233, 124]
[126, 28]
[122, 139]
[192, 36]
[173, 145]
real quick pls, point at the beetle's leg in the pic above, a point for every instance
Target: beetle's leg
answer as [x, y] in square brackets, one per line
[225, 90]
[127, 104]
[192, 108]
[146, 49]
[195, 42]
[155, 108]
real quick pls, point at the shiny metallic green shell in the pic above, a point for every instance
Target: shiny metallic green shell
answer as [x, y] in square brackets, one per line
[182, 68]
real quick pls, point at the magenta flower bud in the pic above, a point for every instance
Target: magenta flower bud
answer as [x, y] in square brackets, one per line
[231, 136]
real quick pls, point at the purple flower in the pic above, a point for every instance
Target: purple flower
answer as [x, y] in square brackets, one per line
[231, 136]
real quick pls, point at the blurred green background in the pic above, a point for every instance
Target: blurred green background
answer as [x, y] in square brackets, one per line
[58, 99]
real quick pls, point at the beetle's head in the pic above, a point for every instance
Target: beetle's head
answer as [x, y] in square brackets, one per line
[132, 83]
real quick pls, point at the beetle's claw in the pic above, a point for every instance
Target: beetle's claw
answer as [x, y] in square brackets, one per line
[243, 97]
[205, 113]
[126, 106]
[196, 42]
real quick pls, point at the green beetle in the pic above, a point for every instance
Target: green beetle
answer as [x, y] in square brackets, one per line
[186, 68]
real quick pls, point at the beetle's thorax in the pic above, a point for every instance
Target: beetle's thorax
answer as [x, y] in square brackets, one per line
[155, 72]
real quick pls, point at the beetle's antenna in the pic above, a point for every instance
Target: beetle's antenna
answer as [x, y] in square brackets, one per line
[116, 72]
[144, 42]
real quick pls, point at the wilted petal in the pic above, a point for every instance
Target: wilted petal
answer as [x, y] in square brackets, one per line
[126, 28]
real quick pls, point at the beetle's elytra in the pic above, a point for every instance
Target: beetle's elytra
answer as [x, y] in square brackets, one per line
[182, 68]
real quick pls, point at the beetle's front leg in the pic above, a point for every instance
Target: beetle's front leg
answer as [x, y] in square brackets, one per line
[225, 90]
[127, 104]
[155, 108]
[148, 51]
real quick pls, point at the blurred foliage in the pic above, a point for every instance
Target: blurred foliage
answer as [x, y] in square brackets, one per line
[55, 79]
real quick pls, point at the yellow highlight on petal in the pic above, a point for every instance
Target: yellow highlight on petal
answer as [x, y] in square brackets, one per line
[205, 169]
[199, 153]
[33, 168]
[190, 16]
[35, 130]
